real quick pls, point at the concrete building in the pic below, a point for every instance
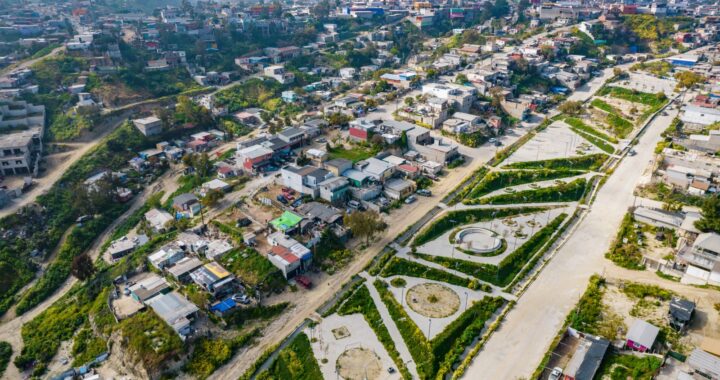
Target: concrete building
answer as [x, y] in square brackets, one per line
[305, 180]
[438, 150]
[278, 73]
[175, 310]
[149, 126]
[20, 152]
[19, 113]
[458, 96]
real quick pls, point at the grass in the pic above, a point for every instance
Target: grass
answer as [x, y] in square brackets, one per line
[354, 154]
[402, 267]
[567, 192]
[622, 367]
[86, 347]
[620, 126]
[210, 354]
[578, 124]
[500, 179]
[296, 361]
[603, 106]
[252, 268]
[590, 162]
[625, 250]
[361, 302]
[150, 340]
[5, 354]
[654, 101]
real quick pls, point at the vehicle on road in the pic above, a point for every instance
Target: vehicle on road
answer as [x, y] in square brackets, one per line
[282, 199]
[424, 192]
[555, 374]
[243, 222]
[303, 281]
[632, 152]
[410, 199]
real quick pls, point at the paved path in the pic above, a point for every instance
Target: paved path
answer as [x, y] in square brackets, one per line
[519, 344]
[400, 345]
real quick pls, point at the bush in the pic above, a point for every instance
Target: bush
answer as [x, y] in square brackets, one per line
[625, 250]
[500, 179]
[347, 294]
[5, 354]
[86, 347]
[150, 340]
[210, 354]
[590, 162]
[253, 268]
[619, 125]
[567, 192]
[578, 124]
[295, 361]
[239, 316]
[639, 291]
[454, 219]
[402, 267]
[361, 302]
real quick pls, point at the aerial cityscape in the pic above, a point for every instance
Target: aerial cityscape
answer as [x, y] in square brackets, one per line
[360, 190]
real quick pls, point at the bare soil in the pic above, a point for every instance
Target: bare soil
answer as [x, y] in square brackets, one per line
[433, 300]
[359, 364]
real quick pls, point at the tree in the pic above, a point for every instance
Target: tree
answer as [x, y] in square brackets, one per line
[618, 72]
[409, 101]
[212, 198]
[431, 73]
[371, 103]
[710, 219]
[571, 107]
[364, 224]
[688, 79]
[82, 267]
[461, 79]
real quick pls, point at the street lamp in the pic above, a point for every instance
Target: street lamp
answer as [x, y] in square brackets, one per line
[466, 299]
[429, 325]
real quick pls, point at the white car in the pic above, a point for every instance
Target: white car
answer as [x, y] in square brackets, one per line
[555, 374]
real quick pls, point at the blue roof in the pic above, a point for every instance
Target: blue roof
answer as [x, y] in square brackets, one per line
[223, 306]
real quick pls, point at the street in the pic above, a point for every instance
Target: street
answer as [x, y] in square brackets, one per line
[517, 347]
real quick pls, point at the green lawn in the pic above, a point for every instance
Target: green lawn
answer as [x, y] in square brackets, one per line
[295, 361]
[354, 154]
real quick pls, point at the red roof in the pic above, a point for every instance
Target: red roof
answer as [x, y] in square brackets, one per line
[408, 168]
[225, 170]
[284, 253]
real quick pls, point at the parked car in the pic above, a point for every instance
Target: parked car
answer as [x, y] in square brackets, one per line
[424, 192]
[410, 199]
[241, 298]
[282, 199]
[297, 203]
[353, 204]
[555, 374]
[303, 281]
[243, 222]
[321, 140]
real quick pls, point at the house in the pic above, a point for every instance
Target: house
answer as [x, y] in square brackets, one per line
[288, 255]
[191, 242]
[215, 279]
[432, 149]
[408, 171]
[20, 152]
[347, 72]
[337, 166]
[149, 287]
[320, 213]
[361, 129]
[702, 258]
[287, 222]
[215, 185]
[397, 189]
[458, 96]
[181, 270]
[586, 359]
[217, 248]
[253, 157]
[694, 116]
[123, 246]
[284, 260]
[175, 310]
[149, 126]
[705, 360]
[293, 136]
[166, 256]
[186, 205]
[289, 96]
[278, 73]
[305, 180]
[658, 218]
[680, 312]
[158, 219]
[641, 336]
[334, 189]
[377, 169]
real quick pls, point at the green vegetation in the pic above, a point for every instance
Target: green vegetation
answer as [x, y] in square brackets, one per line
[210, 354]
[295, 361]
[239, 316]
[659, 68]
[476, 177]
[361, 302]
[149, 340]
[504, 273]
[455, 219]
[402, 267]
[670, 195]
[710, 217]
[637, 290]
[435, 358]
[500, 179]
[620, 126]
[579, 125]
[567, 192]
[589, 162]
[255, 92]
[588, 312]
[603, 105]
[653, 101]
[625, 250]
[621, 367]
[253, 269]
[5, 354]
[86, 347]
[354, 154]
[358, 282]
[654, 33]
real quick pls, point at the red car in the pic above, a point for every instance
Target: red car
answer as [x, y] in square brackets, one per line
[303, 281]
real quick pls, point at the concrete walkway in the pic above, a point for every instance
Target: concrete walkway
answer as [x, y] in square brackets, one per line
[400, 345]
[538, 185]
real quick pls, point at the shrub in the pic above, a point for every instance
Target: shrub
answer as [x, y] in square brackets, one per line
[567, 192]
[150, 340]
[589, 162]
[5, 354]
[86, 347]
[625, 250]
[579, 125]
[500, 179]
[210, 354]
[295, 361]
[239, 316]
[402, 267]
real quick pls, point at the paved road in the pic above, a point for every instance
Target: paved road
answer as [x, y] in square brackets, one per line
[518, 346]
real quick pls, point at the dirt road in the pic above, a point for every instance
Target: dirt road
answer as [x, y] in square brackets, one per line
[43, 184]
[30, 62]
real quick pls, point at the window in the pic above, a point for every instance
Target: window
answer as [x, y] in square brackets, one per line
[18, 162]
[5, 163]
